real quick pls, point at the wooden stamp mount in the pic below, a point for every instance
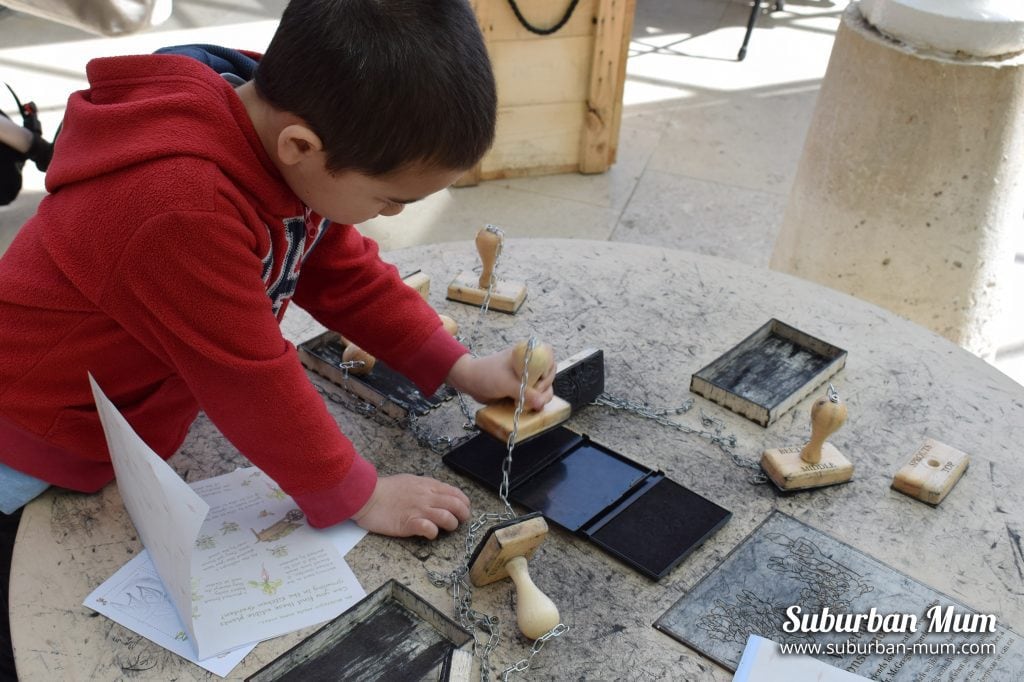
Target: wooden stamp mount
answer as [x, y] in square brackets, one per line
[529, 359]
[497, 418]
[505, 296]
[503, 553]
[932, 472]
[817, 463]
[788, 471]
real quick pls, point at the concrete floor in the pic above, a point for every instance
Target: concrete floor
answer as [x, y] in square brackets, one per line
[707, 152]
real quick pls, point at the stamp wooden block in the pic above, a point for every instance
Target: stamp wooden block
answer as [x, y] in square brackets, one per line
[932, 472]
[504, 552]
[789, 471]
[497, 418]
[420, 281]
[507, 296]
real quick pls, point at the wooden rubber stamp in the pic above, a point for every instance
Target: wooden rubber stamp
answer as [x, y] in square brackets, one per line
[498, 419]
[449, 324]
[501, 295]
[817, 463]
[503, 553]
[420, 281]
[344, 363]
[362, 361]
[932, 472]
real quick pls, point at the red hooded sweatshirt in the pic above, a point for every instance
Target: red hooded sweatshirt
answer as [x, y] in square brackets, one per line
[161, 262]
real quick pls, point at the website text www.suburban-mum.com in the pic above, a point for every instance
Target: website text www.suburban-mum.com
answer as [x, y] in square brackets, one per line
[875, 647]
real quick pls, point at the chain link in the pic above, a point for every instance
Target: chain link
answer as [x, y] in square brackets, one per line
[712, 428]
[523, 664]
[510, 443]
[424, 436]
[475, 622]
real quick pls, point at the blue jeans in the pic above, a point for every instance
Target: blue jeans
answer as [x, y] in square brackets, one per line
[18, 489]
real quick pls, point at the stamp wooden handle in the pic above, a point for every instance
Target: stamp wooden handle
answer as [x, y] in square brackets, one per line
[449, 324]
[536, 614]
[827, 415]
[488, 244]
[354, 353]
[540, 359]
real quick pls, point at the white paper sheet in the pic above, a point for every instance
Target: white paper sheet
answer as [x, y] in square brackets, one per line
[136, 598]
[258, 569]
[166, 512]
[234, 556]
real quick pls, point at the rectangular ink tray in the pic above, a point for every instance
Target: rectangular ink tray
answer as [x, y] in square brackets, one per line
[632, 512]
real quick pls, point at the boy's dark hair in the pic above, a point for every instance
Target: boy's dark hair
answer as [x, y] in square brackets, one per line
[384, 83]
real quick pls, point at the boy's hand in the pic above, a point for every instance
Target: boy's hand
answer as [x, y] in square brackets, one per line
[495, 376]
[405, 505]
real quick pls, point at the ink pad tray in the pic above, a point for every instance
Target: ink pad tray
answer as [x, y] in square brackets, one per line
[383, 387]
[768, 372]
[632, 512]
[391, 634]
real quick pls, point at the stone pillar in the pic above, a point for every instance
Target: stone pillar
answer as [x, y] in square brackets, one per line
[910, 189]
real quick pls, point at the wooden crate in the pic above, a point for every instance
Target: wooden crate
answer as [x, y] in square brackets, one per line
[559, 95]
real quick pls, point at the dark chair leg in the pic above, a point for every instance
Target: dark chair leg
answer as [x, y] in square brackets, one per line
[754, 11]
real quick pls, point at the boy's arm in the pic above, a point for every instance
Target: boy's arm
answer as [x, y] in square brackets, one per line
[347, 287]
[187, 286]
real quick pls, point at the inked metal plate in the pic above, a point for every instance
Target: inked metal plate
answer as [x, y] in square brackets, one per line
[769, 372]
[391, 634]
[784, 563]
[383, 387]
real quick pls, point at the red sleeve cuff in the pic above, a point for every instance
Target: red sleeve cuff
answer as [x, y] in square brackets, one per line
[333, 505]
[429, 366]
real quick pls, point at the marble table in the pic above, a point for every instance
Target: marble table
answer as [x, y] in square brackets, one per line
[659, 315]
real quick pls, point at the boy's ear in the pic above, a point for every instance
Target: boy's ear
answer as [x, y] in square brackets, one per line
[295, 142]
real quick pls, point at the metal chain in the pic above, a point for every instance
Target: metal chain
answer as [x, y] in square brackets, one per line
[832, 393]
[469, 618]
[510, 443]
[456, 580]
[712, 428]
[523, 664]
[424, 436]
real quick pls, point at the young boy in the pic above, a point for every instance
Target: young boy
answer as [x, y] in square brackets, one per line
[188, 190]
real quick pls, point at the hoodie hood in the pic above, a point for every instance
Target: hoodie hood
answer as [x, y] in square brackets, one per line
[175, 103]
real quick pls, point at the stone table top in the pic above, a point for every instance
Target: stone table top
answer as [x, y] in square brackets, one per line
[659, 315]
